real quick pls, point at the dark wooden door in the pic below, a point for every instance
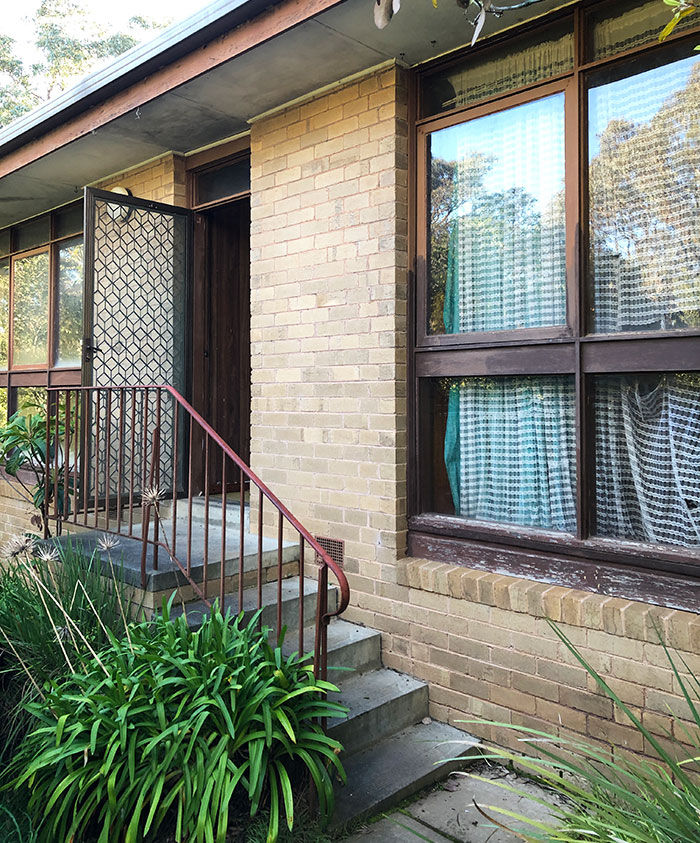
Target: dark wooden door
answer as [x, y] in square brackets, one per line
[221, 371]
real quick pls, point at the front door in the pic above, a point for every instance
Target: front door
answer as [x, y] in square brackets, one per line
[221, 365]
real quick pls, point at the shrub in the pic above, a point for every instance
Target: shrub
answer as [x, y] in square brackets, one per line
[15, 826]
[612, 797]
[168, 727]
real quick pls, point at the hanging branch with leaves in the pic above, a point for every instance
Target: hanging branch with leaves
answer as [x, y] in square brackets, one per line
[476, 12]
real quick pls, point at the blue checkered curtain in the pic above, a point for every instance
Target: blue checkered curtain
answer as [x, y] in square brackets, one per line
[510, 450]
[648, 458]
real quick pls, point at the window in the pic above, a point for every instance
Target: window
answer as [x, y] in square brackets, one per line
[557, 345]
[41, 305]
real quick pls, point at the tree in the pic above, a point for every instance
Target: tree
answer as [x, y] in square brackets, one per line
[70, 44]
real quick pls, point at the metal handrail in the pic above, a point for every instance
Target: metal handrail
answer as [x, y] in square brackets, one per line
[111, 445]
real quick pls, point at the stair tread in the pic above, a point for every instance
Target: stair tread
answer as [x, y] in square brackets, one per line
[400, 765]
[340, 634]
[365, 691]
[290, 591]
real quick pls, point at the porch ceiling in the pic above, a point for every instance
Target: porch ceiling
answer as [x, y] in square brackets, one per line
[220, 102]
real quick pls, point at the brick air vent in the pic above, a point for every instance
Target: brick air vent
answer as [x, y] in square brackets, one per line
[335, 548]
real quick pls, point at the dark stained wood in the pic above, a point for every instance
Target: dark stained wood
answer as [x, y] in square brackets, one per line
[626, 581]
[218, 153]
[660, 354]
[508, 360]
[221, 343]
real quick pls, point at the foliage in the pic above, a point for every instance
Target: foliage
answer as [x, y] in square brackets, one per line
[681, 9]
[51, 614]
[610, 796]
[15, 826]
[169, 728]
[70, 43]
[23, 450]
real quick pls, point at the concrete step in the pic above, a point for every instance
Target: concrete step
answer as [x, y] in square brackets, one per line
[290, 604]
[380, 703]
[127, 556]
[385, 773]
[350, 648]
[199, 510]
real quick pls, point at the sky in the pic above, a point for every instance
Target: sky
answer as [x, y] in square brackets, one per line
[14, 15]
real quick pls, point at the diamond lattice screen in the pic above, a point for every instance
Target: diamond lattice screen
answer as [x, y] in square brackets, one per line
[139, 289]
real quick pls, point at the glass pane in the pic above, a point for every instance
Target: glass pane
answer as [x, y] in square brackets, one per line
[624, 26]
[68, 220]
[644, 222]
[4, 242]
[480, 77]
[224, 181]
[69, 303]
[3, 406]
[504, 450]
[30, 320]
[4, 310]
[648, 458]
[496, 221]
[31, 234]
[30, 400]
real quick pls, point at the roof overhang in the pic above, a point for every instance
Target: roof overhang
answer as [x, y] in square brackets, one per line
[204, 80]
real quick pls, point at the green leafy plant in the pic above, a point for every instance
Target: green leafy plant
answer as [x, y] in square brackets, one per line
[55, 606]
[610, 797]
[169, 728]
[15, 826]
[23, 442]
[681, 9]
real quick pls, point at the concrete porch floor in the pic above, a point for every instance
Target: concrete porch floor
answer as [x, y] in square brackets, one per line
[447, 813]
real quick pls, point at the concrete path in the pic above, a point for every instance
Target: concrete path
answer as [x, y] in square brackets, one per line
[448, 814]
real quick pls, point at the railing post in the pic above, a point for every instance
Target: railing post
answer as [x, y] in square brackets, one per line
[147, 507]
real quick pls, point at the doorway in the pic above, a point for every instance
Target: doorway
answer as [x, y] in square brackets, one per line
[221, 347]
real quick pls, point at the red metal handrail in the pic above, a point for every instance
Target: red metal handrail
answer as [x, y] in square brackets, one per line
[106, 450]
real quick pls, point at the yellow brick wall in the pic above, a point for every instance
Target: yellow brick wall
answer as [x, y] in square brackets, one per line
[328, 313]
[15, 512]
[161, 180]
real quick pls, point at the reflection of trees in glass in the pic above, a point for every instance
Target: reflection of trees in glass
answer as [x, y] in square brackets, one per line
[30, 309]
[444, 201]
[4, 310]
[70, 303]
[645, 225]
[508, 254]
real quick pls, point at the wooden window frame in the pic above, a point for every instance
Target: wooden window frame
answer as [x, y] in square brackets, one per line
[562, 350]
[15, 377]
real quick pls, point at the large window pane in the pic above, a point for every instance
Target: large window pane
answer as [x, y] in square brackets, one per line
[644, 208]
[647, 430]
[69, 303]
[31, 310]
[531, 59]
[497, 221]
[4, 310]
[508, 447]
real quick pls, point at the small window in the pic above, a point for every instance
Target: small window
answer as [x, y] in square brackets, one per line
[68, 220]
[222, 182]
[530, 59]
[4, 310]
[32, 234]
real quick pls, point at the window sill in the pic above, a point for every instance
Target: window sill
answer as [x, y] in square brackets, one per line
[600, 567]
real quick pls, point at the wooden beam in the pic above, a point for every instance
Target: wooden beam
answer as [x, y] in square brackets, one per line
[278, 19]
